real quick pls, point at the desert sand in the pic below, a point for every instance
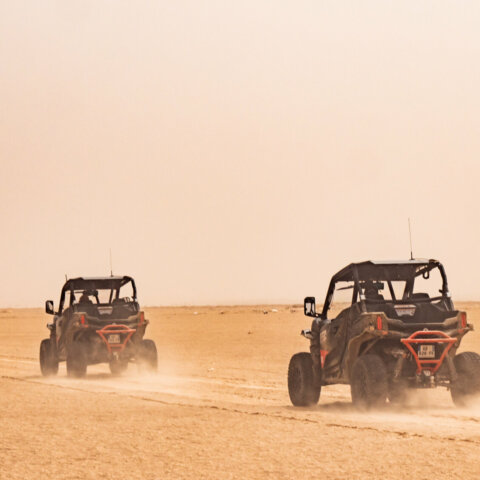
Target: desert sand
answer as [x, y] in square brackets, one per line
[218, 408]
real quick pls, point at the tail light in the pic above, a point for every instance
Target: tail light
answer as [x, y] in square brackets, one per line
[142, 318]
[463, 320]
[379, 323]
[82, 319]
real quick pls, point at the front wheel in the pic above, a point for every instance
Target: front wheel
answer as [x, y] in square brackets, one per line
[302, 388]
[368, 382]
[48, 358]
[467, 385]
[147, 355]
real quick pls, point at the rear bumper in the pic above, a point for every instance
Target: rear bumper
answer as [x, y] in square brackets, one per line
[115, 337]
[429, 337]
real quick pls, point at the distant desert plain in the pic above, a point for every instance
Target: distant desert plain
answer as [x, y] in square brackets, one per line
[218, 408]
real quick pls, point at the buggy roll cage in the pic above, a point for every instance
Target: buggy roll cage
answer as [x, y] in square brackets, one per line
[387, 271]
[114, 284]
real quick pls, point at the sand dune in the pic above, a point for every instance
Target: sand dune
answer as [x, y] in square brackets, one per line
[217, 409]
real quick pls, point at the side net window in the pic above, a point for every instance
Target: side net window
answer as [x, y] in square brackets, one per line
[428, 285]
[126, 292]
[67, 300]
[342, 297]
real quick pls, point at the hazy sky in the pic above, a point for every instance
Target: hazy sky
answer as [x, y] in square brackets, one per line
[235, 151]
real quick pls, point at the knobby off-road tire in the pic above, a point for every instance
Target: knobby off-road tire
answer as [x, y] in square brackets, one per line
[369, 382]
[301, 381]
[147, 355]
[76, 360]
[117, 367]
[48, 358]
[467, 385]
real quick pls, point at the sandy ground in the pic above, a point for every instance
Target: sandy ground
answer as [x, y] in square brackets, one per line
[217, 409]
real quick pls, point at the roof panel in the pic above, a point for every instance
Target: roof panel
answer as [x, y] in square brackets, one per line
[386, 269]
[81, 283]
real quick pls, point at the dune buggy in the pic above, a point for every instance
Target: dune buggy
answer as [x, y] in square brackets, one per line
[395, 333]
[98, 320]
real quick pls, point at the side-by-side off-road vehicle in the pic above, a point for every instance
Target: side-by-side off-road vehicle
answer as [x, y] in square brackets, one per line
[98, 320]
[395, 333]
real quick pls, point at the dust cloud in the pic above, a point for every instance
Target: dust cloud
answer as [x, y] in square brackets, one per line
[217, 408]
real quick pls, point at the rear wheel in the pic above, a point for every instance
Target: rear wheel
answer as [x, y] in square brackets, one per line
[117, 367]
[147, 355]
[48, 358]
[467, 384]
[369, 384]
[76, 360]
[398, 392]
[302, 388]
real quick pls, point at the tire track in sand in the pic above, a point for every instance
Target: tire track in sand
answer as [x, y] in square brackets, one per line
[236, 410]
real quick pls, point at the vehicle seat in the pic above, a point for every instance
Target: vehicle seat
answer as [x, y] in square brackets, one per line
[374, 296]
[121, 308]
[87, 307]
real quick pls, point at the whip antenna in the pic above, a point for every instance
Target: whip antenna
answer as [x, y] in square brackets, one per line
[410, 233]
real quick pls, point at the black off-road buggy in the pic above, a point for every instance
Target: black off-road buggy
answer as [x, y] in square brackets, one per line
[98, 320]
[393, 336]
